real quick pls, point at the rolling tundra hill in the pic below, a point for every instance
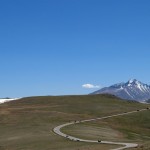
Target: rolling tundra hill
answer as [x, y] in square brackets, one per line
[28, 123]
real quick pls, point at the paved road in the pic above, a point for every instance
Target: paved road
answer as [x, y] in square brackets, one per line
[125, 145]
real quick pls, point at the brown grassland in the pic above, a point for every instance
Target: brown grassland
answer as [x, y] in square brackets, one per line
[27, 124]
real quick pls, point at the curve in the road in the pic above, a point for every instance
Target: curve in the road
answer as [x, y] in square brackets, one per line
[125, 145]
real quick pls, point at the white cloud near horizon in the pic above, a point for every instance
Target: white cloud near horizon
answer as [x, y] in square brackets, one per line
[90, 86]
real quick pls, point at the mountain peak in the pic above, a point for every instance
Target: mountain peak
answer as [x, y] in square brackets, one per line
[134, 82]
[131, 90]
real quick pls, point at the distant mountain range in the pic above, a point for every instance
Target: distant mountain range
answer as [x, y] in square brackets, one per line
[131, 90]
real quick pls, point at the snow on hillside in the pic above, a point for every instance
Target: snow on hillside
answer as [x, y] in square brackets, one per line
[7, 100]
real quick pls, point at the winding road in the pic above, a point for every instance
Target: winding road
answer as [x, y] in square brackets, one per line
[124, 145]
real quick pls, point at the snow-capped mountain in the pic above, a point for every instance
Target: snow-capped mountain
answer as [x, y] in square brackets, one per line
[131, 90]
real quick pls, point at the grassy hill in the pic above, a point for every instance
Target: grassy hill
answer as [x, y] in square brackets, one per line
[27, 124]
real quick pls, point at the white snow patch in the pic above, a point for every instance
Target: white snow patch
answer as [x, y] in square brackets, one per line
[129, 84]
[131, 81]
[144, 88]
[139, 87]
[121, 88]
[7, 100]
[128, 93]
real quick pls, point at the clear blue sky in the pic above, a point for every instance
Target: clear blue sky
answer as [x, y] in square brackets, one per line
[53, 47]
